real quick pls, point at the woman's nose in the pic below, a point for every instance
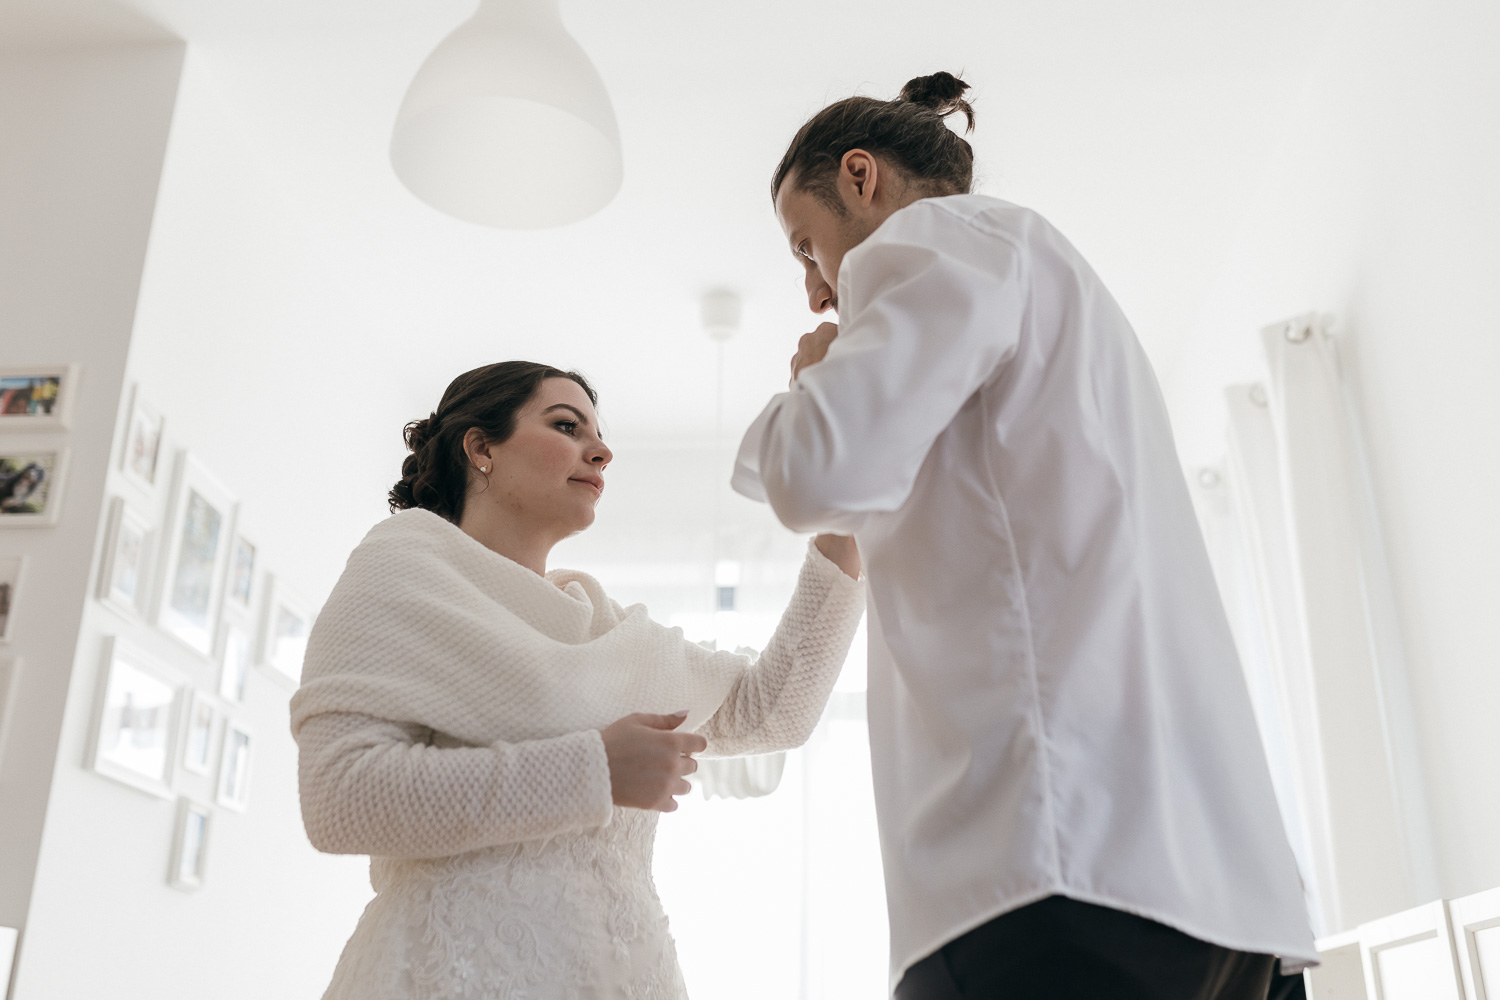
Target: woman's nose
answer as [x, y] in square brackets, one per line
[602, 456]
[819, 295]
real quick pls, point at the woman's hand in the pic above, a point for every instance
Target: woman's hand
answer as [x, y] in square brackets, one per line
[841, 551]
[647, 760]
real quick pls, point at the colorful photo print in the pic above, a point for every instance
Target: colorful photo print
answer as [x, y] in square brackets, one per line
[36, 397]
[30, 487]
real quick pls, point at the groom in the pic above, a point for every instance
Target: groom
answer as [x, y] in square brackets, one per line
[1070, 788]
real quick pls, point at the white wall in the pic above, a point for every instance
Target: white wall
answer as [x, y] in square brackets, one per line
[1380, 205]
[84, 132]
[273, 913]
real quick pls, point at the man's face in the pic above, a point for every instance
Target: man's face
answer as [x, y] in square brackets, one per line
[819, 238]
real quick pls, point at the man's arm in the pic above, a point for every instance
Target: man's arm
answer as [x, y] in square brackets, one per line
[922, 332]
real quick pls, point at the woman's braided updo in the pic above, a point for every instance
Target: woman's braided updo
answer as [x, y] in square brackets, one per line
[910, 131]
[435, 476]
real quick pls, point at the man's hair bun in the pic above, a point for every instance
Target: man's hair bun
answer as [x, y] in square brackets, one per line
[942, 92]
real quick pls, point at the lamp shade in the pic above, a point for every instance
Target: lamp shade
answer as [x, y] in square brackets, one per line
[508, 124]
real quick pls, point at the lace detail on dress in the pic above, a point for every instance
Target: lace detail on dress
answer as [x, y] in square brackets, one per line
[573, 917]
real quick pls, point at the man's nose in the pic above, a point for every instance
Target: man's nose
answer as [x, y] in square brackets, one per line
[819, 295]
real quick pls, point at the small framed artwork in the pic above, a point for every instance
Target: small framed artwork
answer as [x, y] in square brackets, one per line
[236, 652]
[286, 624]
[36, 397]
[138, 459]
[234, 767]
[240, 590]
[11, 568]
[190, 845]
[197, 743]
[127, 547]
[10, 678]
[199, 532]
[31, 484]
[135, 721]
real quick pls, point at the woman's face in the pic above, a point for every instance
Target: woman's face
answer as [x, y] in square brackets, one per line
[549, 474]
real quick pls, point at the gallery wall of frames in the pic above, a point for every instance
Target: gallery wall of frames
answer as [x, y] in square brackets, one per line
[167, 717]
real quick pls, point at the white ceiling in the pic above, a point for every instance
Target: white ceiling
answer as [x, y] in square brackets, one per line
[1138, 127]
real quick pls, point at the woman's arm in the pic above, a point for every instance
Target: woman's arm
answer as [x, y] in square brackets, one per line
[371, 786]
[776, 704]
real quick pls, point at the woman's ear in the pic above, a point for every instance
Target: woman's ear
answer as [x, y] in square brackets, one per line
[477, 450]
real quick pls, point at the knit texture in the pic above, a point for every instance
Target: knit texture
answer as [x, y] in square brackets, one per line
[447, 726]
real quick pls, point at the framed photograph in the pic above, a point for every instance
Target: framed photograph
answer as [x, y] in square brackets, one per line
[286, 623]
[190, 845]
[138, 458]
[197, 742]
[11, 568]
[127, 549]
[31, 485]
[234, 767]
[236, 653]
[37, 397]
[199, 532]
[10, 679]
[240, 591]
[135, 721]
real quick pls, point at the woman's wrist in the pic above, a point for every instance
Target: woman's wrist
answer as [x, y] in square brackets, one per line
[842, 552]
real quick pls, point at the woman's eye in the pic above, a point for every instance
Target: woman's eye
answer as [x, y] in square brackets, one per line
[566, 426]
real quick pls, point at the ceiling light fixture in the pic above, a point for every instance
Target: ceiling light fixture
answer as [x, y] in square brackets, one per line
[508, 124]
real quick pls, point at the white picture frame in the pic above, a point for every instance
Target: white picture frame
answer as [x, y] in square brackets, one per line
[200, 724]
[12, 576]
[124, 571]
[140, 452]
[10, 681]
[195, 553]
[134, 735]
[236, 657]
[244, 560]
[191, 834]
[1475, 921]
[32, 485]
[285, 625]
[1411, 954]
[37, 397]
[235, 759]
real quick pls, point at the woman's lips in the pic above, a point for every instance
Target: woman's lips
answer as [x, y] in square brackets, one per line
[597, 485]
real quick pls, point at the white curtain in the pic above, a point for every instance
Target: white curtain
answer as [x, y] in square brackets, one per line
[1320, 635]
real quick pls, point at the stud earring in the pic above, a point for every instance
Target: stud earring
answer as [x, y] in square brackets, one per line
[485, 469]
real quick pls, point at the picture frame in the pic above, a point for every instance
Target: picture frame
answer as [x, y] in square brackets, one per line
[140, 454]
[235, 758]
[125, 568]
[201, 720]
[31, 485]
[37, 397]
[239, 589]
[285, 625]
[190, 840]
[10, 680]
[236, 656]
[12, 572]
[134, 735]
[199, 531]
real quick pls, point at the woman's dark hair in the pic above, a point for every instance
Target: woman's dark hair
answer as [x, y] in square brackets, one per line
[435, 476]
[908, 131]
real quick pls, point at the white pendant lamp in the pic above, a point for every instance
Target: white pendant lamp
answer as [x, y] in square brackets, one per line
[508, 124]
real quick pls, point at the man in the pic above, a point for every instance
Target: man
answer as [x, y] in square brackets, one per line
[1071, 793]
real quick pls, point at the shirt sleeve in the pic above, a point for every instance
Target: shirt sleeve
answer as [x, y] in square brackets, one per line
[776, 703]
[372, 786]
[922, 330]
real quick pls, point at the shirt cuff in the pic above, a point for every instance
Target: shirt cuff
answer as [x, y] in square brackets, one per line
[746, 479]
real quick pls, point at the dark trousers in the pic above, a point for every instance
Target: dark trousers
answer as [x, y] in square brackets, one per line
[1061, 949]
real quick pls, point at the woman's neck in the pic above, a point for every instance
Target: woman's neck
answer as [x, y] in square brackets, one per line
[516, 542]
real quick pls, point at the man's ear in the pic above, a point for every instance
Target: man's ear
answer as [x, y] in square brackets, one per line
[859, 177]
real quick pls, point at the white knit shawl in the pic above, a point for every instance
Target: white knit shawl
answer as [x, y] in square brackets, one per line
[429, 626]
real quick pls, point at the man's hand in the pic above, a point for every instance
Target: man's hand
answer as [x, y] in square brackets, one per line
[812, 347]
[647, 760]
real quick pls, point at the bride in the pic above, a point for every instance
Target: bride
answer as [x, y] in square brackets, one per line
[500, 738]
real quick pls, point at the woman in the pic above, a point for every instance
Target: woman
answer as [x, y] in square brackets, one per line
[499, 738]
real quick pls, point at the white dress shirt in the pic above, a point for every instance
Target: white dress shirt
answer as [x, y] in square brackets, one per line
[1055, 702]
